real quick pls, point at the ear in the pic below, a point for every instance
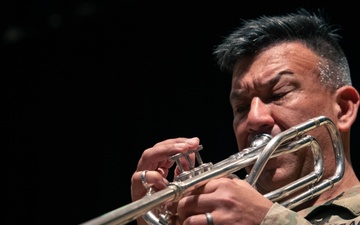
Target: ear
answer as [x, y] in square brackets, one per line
[348, 103]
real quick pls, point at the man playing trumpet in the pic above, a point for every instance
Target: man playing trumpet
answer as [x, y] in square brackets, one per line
[285, 70]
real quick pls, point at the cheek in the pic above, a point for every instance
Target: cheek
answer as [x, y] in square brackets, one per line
[322, 104]
[240, 135]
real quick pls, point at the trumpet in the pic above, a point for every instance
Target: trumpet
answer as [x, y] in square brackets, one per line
[263, 148]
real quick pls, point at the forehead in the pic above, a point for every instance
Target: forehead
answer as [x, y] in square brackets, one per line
[293, 57]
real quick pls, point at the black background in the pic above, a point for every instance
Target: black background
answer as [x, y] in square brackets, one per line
[86, 86]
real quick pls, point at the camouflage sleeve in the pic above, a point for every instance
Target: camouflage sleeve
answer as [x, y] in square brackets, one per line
[278, 214]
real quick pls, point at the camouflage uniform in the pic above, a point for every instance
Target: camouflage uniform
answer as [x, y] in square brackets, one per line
[342, 210]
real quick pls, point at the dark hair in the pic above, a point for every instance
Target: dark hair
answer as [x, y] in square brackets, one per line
[311, 29]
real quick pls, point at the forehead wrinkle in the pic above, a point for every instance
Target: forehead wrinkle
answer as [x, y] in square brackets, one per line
[250, 71]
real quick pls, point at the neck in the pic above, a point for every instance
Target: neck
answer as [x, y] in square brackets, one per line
[349, 180]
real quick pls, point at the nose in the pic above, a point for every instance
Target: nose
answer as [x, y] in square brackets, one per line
[259, 119]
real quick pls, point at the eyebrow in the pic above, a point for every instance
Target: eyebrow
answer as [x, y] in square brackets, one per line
[272, 81]
[235, 95]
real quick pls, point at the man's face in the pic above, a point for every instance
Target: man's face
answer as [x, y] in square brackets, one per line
[272, 92]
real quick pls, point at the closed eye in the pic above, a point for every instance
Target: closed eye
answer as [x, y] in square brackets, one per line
[242, 108]
[277, 97]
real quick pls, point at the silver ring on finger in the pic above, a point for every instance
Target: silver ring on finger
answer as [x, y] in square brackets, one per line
[209, 219]
[143, 180]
